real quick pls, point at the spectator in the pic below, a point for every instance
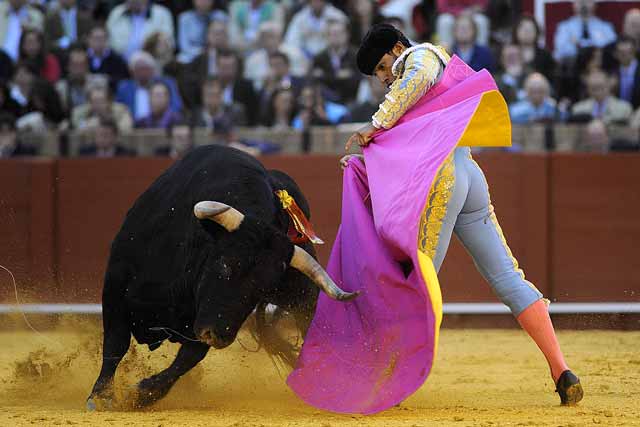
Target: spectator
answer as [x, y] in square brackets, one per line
[257, 66]
[583, 29]
[279, 78]
[526, 35]
[180, 136]
[7, 103]
[235, 88]
[103, 60]
[159, 46]
[336, 67]
[634, 122]
[465, 46]
[15, 17]
[363, 14]
[449, 10]
[37, 98]
[307, 28]
[134, 92]
[627, 71]
[105, 141]
[537, 106]
[314, 110]
[72, 90]
[571, 78]
[630, 30]
[246, 18]
[6, 66]
[205, 64]
[363, 110]
[21, 86]
[33, 52]
[192, 29]
[67, 24]
[511, 79]
[214, 114]
[160, 116]
[601, 104]
[10, 145]
[99, 104]
[129, 24]
[596, 139]
[281, 109]
[631, 25]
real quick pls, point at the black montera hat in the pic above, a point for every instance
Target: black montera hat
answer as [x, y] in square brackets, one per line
[379, 40]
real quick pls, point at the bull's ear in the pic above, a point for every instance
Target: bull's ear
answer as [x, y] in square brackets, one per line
[224, 215]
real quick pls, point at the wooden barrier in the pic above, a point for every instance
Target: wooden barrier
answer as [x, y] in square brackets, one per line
[570, 219]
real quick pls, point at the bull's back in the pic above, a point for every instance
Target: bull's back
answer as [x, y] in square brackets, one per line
[160, 229]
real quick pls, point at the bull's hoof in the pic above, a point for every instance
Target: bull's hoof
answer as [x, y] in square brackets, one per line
[569, 388]
[96, 403]
[148, 392]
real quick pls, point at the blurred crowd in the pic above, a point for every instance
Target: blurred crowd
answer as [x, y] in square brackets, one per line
[106, 67]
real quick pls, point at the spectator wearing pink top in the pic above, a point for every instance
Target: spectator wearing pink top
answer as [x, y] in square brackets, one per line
[448, 10]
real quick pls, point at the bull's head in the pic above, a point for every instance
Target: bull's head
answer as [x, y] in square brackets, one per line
[218, 323]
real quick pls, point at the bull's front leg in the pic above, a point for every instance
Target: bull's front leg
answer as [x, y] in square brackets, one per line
[117, 338]
[154, 388]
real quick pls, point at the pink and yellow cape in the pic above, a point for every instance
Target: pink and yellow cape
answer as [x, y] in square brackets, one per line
[370, 354]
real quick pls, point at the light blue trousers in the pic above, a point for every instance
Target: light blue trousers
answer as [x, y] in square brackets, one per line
[469, 214]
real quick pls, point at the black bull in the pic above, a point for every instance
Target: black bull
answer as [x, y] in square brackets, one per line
[199, 250]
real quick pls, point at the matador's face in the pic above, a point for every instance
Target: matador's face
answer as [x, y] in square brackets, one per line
[383, 69]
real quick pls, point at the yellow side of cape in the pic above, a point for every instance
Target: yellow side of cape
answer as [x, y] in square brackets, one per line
[490, 125]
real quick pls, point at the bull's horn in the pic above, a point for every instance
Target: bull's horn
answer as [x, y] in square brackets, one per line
[308, 266]
[224, 215]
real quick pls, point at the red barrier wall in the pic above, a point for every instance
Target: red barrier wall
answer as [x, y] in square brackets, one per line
[571, 220]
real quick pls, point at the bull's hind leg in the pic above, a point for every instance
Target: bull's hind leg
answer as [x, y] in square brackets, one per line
[154, 388]
[117, 337]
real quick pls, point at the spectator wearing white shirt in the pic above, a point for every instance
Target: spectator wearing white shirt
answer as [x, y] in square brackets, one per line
[15, 16]
[130, 23]
[584, 29]
[307, 29]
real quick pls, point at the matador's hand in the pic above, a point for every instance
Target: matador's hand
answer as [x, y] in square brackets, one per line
[344, 161]
[362, 137]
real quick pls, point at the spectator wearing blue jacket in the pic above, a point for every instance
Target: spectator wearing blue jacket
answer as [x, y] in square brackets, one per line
[465, 46]
[537, 106]
[135, 92]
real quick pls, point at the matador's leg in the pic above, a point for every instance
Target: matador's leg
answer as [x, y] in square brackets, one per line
[444, 203]
[478, 229]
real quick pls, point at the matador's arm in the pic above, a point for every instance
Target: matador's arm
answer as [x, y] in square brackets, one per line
[422, 67]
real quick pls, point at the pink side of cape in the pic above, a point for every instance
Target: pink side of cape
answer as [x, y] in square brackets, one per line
[368, 355]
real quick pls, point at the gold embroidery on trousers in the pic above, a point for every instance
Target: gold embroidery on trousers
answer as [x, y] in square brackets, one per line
[436, 208]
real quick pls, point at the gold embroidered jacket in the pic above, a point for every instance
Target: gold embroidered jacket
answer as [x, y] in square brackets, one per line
[417, 69]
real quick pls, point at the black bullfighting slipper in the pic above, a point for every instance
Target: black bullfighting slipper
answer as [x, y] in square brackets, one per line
[569, 388]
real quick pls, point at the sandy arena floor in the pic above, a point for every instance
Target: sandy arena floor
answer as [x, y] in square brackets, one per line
[481, 378]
